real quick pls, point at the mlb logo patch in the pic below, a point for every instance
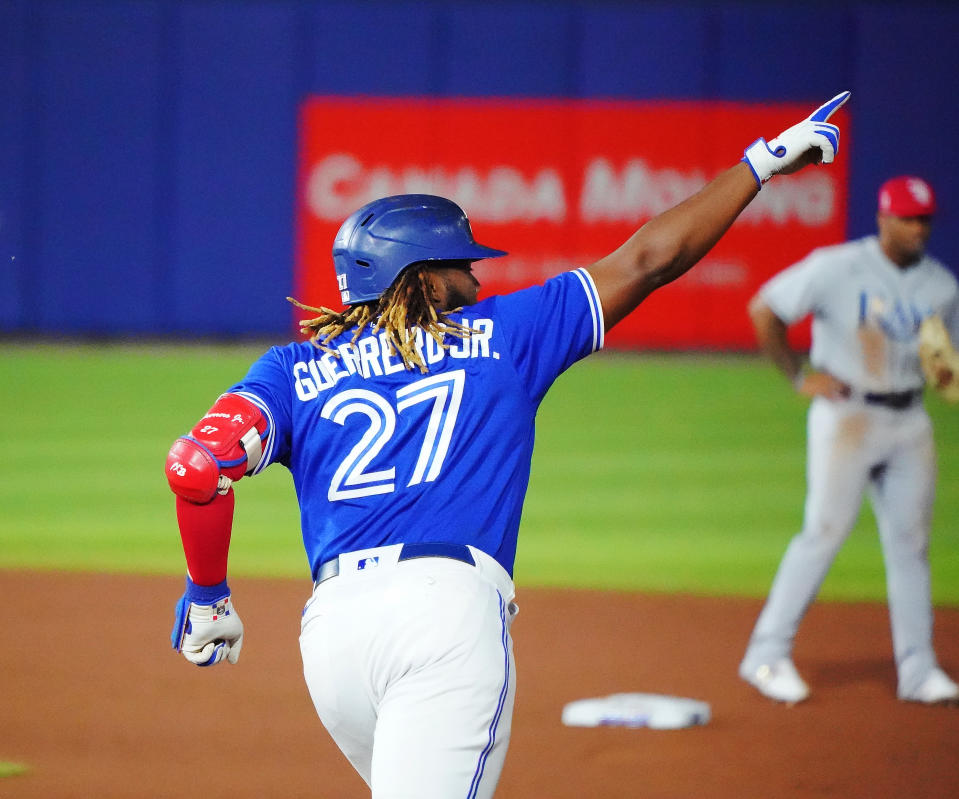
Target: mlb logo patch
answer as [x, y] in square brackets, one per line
[367, 563]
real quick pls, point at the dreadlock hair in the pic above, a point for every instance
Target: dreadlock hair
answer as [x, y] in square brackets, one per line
[399, 311]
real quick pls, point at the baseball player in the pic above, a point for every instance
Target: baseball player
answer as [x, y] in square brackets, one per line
[868, 430]
[407, 423]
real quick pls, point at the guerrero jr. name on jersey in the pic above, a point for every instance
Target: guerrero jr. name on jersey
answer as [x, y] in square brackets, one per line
[374, 356]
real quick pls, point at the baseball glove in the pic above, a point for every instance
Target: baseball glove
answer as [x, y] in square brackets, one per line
[939, 359]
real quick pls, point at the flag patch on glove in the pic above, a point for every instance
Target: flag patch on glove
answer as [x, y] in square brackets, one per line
[221, 608]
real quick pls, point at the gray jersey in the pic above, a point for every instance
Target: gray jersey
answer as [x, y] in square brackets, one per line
[866, 311]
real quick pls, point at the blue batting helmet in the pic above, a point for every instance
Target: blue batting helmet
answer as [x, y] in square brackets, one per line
[382, 238]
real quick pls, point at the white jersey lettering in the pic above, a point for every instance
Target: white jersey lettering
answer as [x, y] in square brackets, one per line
[482, 333]
[331, 365]
[375, 356]
[349, 357]
[392, 362]
[321, 376]
[370, 357]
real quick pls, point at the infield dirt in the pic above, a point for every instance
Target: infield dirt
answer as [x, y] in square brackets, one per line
[96, 703]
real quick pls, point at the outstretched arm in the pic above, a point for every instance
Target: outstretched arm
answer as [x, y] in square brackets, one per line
[669, 245]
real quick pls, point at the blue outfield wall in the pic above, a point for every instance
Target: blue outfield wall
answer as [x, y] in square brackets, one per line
[148, 149]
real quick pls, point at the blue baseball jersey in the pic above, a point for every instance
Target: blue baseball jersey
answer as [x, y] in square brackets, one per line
[381, 454]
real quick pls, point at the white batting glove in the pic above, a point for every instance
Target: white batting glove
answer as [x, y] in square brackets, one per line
[786, 152]
[207, 629]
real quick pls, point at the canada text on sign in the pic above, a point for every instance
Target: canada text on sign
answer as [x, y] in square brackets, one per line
[559, 184]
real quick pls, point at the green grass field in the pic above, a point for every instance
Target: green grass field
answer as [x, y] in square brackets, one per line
[653, 473]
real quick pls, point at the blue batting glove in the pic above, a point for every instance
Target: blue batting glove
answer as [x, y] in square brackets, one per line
[786, 152]
[207, 629]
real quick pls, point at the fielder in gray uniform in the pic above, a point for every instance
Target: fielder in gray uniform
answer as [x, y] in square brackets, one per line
[868, 430]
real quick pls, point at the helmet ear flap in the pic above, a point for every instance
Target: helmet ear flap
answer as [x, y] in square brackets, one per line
[379, 240]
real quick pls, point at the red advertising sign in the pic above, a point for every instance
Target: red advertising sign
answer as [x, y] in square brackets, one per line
[559, 184]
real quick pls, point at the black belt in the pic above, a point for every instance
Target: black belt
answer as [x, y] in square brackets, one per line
[460, 552]
[898, 400]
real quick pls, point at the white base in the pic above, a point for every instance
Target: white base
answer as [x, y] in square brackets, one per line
[654, 711]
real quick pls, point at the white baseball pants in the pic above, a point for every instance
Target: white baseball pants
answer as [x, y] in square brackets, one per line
[410, 667]
[854, 447]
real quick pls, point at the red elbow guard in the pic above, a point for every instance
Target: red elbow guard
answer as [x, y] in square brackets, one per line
[192, 471]
[224, 445]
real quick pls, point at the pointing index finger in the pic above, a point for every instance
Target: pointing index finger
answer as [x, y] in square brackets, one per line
[826, 110]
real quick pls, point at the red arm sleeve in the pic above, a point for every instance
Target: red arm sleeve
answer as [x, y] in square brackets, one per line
[223, 446]
[205, 532]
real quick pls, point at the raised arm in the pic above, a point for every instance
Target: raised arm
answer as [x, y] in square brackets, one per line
[668, 245]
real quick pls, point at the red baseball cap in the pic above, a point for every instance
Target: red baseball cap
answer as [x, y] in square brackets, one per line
[907, 196]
